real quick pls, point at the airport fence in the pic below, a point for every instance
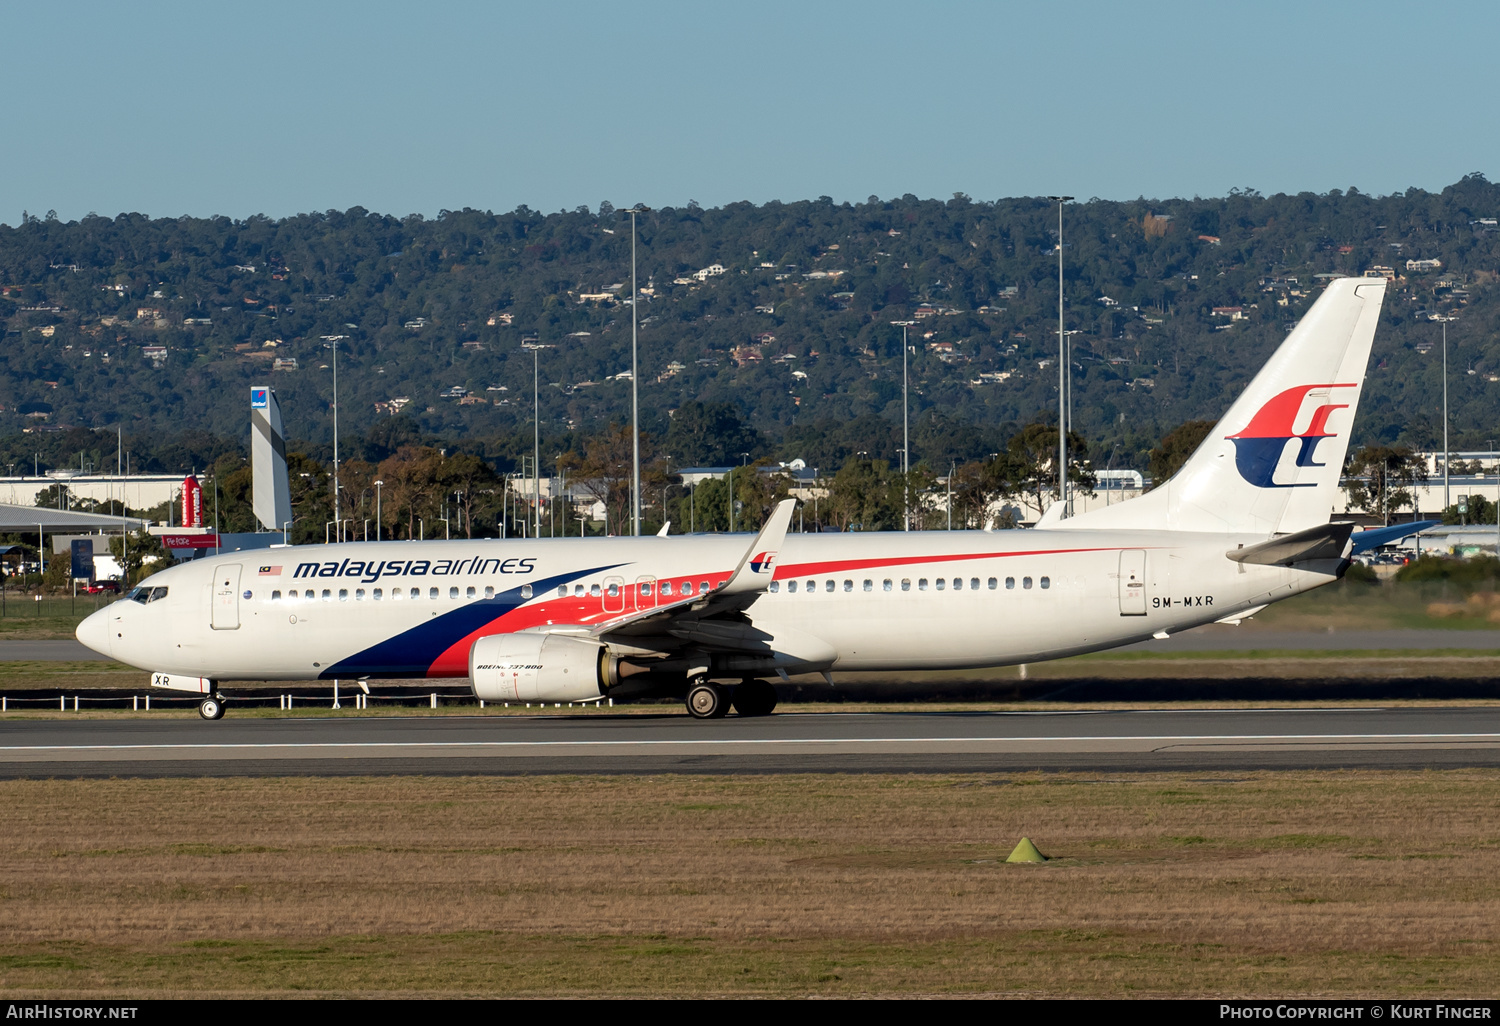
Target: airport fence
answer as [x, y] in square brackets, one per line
[23, 605]
[303, 699]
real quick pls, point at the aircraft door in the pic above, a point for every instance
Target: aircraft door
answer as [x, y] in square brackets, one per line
[645, 593]
[614, 594]
[226, 607]
[1132, 582]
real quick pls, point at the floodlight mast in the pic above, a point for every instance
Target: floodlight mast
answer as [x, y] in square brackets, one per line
[905, 431]
[635, 406]
[332, 341]
[1062, 369]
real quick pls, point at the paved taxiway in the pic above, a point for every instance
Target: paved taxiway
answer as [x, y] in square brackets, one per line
[811, 742]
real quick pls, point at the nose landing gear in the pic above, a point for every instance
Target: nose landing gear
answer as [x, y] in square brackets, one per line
[211, 708]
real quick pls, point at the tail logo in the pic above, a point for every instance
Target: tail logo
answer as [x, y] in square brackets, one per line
[762, 562]
[1259, 446]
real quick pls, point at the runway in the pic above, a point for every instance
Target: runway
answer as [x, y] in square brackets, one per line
[600, 743]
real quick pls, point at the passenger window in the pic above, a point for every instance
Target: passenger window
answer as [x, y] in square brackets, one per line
[594, 591]
[275, 596]
[577, 590]
[848, 585]
[958, 584]
[775, 587]
[1025, 582]
[397, 595]
[921, 584]
[562, 591]
[666, 588]
[791, 586]
[1046, 582]
[613, 590]
[469, 591]
[869, 584]
[343, 594]
[378, 595]
[645, 587]
[812, 586]
[993, 582]
[453, 593]
[327, 595]
[525, 591]
[416, 593]
[359, 594]
[941, 583]
[906, 584]
[702, 587]
[885, 585]
[489, 591]
[432, 594]
[1010, 584]
[974, 583]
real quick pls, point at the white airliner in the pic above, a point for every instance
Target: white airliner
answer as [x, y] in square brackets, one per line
[1245, 523]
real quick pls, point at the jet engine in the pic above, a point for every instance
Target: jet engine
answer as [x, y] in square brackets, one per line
[538, 668]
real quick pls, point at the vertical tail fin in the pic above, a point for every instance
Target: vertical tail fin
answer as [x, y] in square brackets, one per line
[1272, 464]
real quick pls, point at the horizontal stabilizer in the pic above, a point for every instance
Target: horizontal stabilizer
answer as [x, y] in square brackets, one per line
[1377, 536]
[1326, 541]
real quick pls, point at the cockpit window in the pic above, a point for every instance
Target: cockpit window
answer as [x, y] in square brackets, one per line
[144, 594]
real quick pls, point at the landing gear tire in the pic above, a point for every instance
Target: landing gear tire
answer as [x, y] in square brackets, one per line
[211, 709]
[707, 701]
[754, 698]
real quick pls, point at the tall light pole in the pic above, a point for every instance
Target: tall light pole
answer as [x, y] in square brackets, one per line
[905, 432]
[1446, 459]
[1062, 369]
[377, 509]
[536, 432]
[635, 376]
[332, 341]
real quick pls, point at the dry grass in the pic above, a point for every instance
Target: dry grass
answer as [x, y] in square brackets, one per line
[1356, 883]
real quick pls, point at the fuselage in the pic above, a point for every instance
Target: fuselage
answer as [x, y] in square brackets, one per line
[857, 601]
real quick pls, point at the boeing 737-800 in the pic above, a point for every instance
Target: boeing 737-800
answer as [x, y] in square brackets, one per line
[1244, 523]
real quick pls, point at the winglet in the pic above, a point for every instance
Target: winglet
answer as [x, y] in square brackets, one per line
[664, 529]
[758, 564]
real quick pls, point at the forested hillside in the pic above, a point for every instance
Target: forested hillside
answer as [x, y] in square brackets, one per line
[782, 311]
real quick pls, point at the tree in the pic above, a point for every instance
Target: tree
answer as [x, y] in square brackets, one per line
[1175, 447]
[865, 495]
[605, 469]
[139, 556]
[710, 435]
[1033, 452]
[1377, 478]
[410, 487]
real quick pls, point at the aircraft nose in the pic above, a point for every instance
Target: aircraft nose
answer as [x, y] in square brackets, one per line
[94, 631]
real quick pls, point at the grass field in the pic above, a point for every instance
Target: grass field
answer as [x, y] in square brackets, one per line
[1336, 883]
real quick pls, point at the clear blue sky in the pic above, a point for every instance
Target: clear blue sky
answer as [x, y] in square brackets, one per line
[276, 108]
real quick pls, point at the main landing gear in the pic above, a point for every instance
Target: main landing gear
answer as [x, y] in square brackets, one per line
[211, 708]
[706, 701]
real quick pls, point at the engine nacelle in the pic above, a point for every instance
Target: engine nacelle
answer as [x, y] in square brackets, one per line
[537, 668]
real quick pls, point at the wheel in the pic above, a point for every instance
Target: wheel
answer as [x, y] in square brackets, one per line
[754, 698]
[211, 709]
[707, 701]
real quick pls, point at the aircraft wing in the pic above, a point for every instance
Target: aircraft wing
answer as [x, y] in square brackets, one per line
[715, 619]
